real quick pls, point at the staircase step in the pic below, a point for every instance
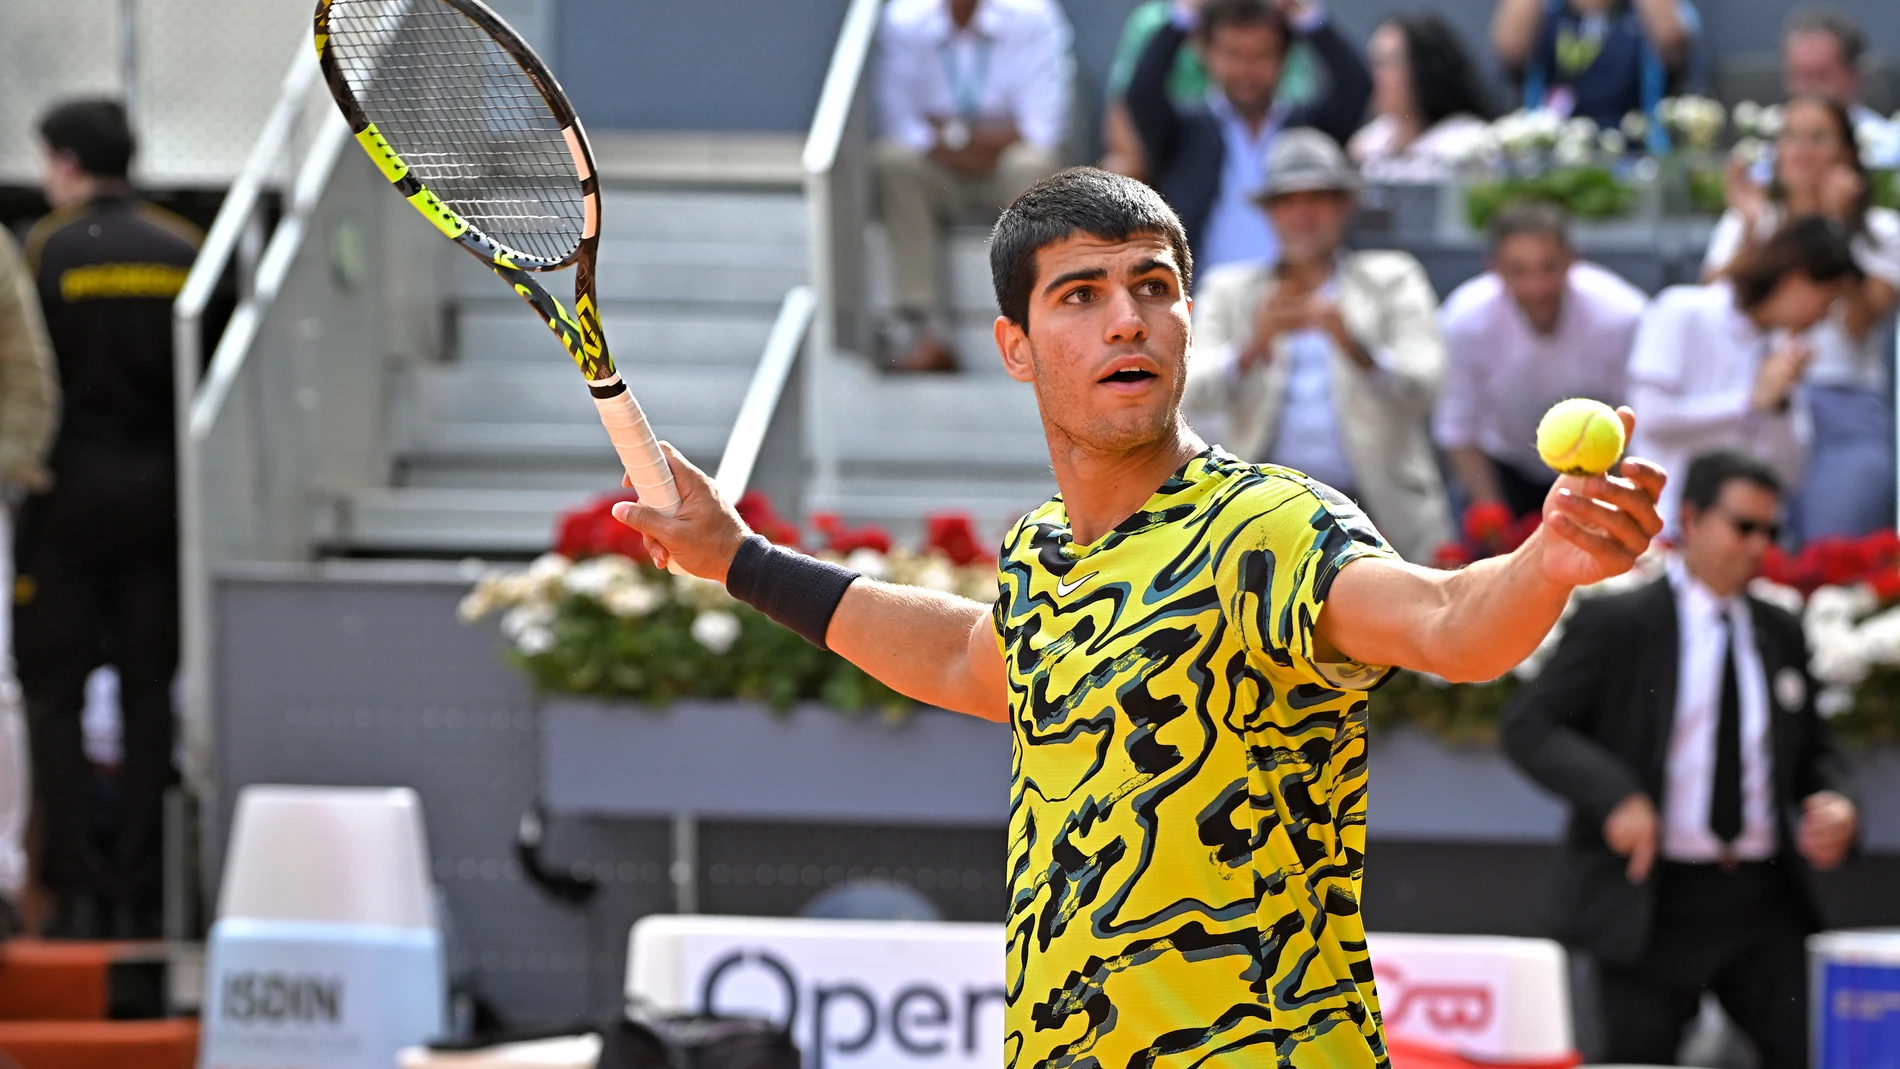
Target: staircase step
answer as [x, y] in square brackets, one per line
[689, 215]
[675, 271]
[432, 521]
[935, 419]
[539, 393]
[968, 288]
[162, 1044]
[504, 330]
[80, 981]
[668, 158]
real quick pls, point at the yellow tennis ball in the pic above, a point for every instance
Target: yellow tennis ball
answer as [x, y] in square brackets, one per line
[1580, 437]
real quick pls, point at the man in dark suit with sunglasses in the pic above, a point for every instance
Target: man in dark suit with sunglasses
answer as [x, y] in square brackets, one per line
[1678, 720]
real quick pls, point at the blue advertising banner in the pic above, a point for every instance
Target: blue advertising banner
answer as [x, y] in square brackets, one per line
[1858, 1016]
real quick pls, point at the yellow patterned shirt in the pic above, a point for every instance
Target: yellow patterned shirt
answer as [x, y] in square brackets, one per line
[1187, 815]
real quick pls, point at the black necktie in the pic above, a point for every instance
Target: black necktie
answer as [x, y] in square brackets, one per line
[1725, 797]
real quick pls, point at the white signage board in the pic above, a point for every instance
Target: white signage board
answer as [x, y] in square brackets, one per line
[858, 994]
[318, 994]
[1487, 997]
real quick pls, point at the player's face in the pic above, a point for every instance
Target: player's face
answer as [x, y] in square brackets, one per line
[1107, 341]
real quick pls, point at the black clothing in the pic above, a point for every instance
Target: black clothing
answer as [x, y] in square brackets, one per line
[1184, 144]
[97, 554]
[1595, 727]
[1734, 933]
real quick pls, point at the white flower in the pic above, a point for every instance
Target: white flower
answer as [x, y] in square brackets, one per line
[1571, 152]
[1747, 117]
[488, 595]
[936, 573]
[870, 563]
[1635, 126]
[1770, 125]
[1833, 701]
[1612, 143]
[703, 594]
[523, 619]
[1749, 149]
[1580, 128]
[633, 598]
[593, 577]
[716, 630]
[535, 641]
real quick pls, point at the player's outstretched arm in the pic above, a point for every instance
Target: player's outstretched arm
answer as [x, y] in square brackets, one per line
[1478, 623]
[934, 647]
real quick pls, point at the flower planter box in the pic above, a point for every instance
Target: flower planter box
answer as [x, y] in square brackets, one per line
[740, 761]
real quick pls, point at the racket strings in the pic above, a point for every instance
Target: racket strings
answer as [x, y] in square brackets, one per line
[466, 118]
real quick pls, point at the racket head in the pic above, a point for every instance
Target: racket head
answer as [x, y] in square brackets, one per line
[468, 123]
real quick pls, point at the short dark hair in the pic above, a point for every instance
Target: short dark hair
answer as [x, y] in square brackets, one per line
[1530, 215]
[1446, 81]
[95, 132]
[1218, 13]
[1845, 31]
[1810, 245]
[1080, 200]
[1709, 472]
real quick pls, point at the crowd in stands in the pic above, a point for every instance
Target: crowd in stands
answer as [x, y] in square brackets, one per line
[1260, 122]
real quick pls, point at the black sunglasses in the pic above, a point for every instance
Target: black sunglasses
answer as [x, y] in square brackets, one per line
[1748, 528]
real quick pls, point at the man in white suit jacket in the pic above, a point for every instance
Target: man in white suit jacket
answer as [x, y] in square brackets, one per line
[1327, 361]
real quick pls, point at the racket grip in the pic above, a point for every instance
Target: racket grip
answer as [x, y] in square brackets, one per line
[639, 452]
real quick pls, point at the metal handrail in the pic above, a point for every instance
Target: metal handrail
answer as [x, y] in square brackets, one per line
[235, 235]
[763, 392]
[838, 105]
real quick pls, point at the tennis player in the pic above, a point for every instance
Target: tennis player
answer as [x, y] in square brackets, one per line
[1183, 645]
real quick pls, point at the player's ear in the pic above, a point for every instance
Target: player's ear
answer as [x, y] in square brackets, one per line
[1012, 341]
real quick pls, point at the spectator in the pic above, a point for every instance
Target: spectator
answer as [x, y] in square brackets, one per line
[1695, 821]
[29, 401]
[98, 551]
[1716, 366]
[1538, 327]
[1429, 100]
[1187, 85]
[974, 100]
[1600, 59]
[1818, 172]
[1821, 54]
[1327, 361]
[1205, 158]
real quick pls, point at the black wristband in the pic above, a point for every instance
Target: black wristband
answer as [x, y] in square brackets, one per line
[799, 592]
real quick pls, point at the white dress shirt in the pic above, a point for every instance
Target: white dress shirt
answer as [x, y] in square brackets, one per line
[1839, 360]
[1431, 157]
[1703, 622]
[1501, 374]
[1011, 63]
[1692, 380]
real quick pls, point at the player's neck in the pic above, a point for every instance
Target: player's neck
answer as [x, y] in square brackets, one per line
[1100, 490]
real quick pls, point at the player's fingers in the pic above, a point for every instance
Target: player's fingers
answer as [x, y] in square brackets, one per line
[685, 475]
[1601, 547]
[1595, 514]
[1646, 475]
[1628, 416]
[650, 522]
[1626, 496]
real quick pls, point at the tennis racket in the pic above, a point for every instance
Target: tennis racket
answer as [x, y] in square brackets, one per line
[469, 126]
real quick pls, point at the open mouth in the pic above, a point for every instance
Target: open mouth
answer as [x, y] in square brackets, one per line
[1130, 374]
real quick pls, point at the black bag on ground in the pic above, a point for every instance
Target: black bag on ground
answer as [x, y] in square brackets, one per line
[643, 1040]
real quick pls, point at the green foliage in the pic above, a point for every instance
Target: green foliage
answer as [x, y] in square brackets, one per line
[1708, 192]
[1589, 192]
[655, 660]
[1885, 187]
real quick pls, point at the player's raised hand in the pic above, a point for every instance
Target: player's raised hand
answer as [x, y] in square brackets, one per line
[701, 537]
[1596, 526]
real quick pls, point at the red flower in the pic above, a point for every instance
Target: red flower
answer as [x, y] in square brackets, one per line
[1487, 521]
[1451, 556]
[591, 530]
[757, 512]
[845, 540]
[954, 535]
[1886, 586]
